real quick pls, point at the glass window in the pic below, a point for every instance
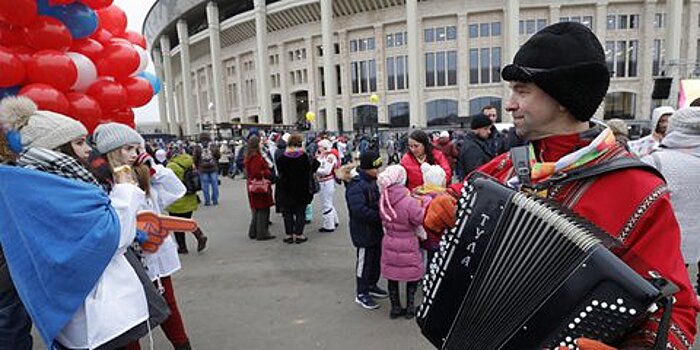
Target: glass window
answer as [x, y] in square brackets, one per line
[588, 21]
[441, 112]
[370, 43]
[620, 54]
[399, 114]
[576, 19]
[363, 44]
[338, 80]
[496, 64]
[611, 25]
[400, 71]
[399, 38]
[484, 30]
[390, 74]
[365, 115]
[451, 33]
[610, 56]
[440, 34]
[473, 66]
[353, 78]
[634, 21]
[336, 48]
[484, 65]
[620, 105]
[658, 20]
[475, 105]
[541, 23]
[473, 31]
[622, 22]
[632, 59]
[656, 58]
[530, 26]
[496, 28]
[319, 51]
[521, 27]
[440, 68]
[429, 69]
[322, 79]
[563, 19]
[452, 68]
[353, 45]
[429, 35]
[390, 40]
[372, 75]
[363, 76]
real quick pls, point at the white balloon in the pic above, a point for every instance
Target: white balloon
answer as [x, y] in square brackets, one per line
[87, 73]
[143, 59]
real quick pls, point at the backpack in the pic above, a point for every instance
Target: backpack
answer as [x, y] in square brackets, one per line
[191, 180]
[207, 159]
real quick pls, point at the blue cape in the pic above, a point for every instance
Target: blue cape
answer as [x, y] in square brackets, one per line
[58, 236]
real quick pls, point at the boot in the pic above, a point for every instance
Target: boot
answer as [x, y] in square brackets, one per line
[410, 299]
[396, 310]
[201, 240]
[181, 243]
[185, 346]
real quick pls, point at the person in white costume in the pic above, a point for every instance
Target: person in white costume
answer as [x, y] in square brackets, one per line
[326, 178]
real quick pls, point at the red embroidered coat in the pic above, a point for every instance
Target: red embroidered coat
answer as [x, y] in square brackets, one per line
[633, 206]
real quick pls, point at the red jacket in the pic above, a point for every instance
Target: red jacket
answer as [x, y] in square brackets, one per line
[448, 149]
[633, 206]
[414, 174]
[256, 168]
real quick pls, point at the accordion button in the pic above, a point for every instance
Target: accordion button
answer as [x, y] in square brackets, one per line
[613, 307]
[604, 305]
[633, 312]
[563, 344]
[572, 326]
[568, 340]
[589, 309]
[623, 309]
[577, 320]
[620, 301]
[583, 314]
[595, 303]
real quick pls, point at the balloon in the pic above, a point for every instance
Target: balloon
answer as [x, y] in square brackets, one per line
[60, 2]
[110, 94]
[24, 53]
[80, 19]
[20, 12]
[143, 59]
[113, 19]
[46, 98]
[118, 60]
[8, 91]
[12, 71]
[138, 91]
[84, 109]
[134, 38]
[11, 36]
[155, 82]
[124, 116]
[87, 73]
[97, 4]
[48, 33]
[310, 116]
[90, 48]
[102, 36]
[52, 68]
[374, 98]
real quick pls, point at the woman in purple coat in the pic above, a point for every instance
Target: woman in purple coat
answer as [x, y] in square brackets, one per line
[402, 218]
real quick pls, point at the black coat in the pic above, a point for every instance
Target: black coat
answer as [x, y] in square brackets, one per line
[362, 198]
[473, 153]
[293, 180]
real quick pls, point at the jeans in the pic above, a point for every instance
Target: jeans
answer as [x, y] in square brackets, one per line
[210, 179]
[15, 324]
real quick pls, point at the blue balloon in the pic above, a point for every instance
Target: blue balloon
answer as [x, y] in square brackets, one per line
[9, 91]
[80, 20]
[155, 82]
[44, 8]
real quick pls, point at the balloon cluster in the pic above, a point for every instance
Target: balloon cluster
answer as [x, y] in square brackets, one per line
[74, 57]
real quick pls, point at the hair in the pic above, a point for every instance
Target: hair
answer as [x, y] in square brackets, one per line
[253, 146]
[143, 177]
[295, 140]
[487, 107]
[67, 149]
[6, 155]
[695, 103]
[423, 138]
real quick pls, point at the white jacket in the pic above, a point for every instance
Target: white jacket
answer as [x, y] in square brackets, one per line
[117, 303]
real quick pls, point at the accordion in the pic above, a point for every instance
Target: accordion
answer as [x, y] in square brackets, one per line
[519, 272]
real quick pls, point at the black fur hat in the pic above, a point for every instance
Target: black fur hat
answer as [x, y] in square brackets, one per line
[567, 61]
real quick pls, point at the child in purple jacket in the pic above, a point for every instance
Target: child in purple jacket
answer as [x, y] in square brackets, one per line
[402, 218]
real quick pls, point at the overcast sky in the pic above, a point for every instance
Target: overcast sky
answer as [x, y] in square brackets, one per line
[136, 12]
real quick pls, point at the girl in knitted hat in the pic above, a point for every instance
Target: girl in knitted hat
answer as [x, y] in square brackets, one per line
[434, 182]
[402, 219]
[76, 247]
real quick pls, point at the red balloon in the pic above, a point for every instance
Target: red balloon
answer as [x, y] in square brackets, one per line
[10, 35]
[90, 48]
[48, 33]
[21, 12]
[97, 4]
[52, 68]
[84, 109]
[12, 70]
[110, 94]
[138, 91]
[118, 60]
[113, 19]
[46, 98]
[102, 36]
[24, 53]
[60, 2]
[124, 116]
[134, 38]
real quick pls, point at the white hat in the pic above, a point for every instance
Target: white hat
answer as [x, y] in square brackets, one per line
[325, 144]
[444, 133]
[433, 174]
[161, 155]
[685, 120]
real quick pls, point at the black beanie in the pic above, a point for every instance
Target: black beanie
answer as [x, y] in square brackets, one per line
[567, 61]
[479, 121]
[370, 160]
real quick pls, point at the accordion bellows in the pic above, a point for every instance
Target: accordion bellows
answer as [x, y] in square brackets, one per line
[519, 272]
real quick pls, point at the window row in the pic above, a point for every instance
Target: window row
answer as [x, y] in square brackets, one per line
[248, 66]
[299, 76]
[397, 73]
[485, 65]
[621, 57]
[336, 48]
[622, 22]
[585, 20]
[363, 76]
[441, 68]
[322, 79]
[275, 81]
[232, 94]
[530, 26]
[250, 93]
[396, 39]
[366, 44]
[274, 59]
[485, 29]
[296, 55]
[438, 34]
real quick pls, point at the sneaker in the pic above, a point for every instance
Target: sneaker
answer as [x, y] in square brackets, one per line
[182, 251]
[325, 230]
[378, 293]
[366, 301]
[202, 244]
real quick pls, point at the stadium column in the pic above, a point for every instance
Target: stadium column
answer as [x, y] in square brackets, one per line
[289, 116]
[380, 76]
[329, 77]
[216, 63]
[169, 84]
[263, 76]
[463, 64]
[511, 21]
[346, 88]
[185, 73]
[600, 28]
[644, 62]
[162, 112]
[674, 31]
[413, 23]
